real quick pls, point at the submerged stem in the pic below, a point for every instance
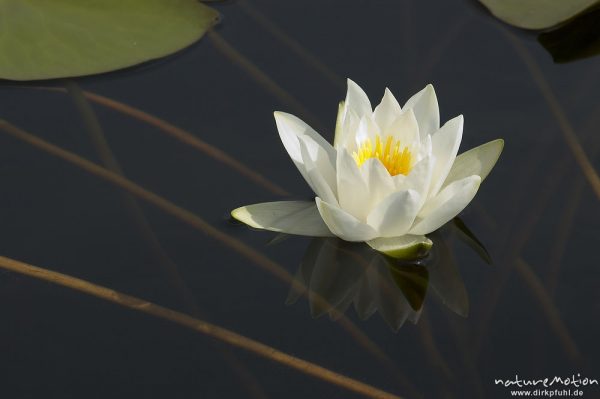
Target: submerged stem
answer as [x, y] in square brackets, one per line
[181, 135]
[547, 305]
[194, 221]
[262, 78]
[295, 46]
[176, 211]
[198, 325]
[565, 126]
[168, 267]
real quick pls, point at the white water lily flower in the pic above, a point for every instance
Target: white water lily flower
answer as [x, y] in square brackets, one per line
[392, 175]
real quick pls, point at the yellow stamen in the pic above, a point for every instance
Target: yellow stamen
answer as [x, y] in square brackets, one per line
[396, 159]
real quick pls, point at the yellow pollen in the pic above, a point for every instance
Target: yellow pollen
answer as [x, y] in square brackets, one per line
[396, 160]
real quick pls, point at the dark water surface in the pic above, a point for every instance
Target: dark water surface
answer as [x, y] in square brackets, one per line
[534, 312]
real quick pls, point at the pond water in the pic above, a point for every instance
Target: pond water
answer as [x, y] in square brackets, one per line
[533, 312]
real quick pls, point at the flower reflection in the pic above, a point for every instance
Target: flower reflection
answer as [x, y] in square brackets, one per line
[336, 274]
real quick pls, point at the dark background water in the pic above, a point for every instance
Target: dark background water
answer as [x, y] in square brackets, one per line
[537, 320]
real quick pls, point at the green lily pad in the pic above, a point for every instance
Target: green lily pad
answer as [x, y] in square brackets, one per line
[577, 39]
[45, 39]
[537, 14]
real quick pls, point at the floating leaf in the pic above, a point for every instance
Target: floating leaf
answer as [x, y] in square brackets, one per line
[45, 39]
[579, 38]
[537, 14]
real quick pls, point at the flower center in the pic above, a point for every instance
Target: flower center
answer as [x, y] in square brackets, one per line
[396, 159]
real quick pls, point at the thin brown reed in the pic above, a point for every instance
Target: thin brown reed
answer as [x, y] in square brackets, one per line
[198, 325]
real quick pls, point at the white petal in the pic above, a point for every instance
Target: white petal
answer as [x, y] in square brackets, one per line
[292, 131]
[319, 174]
[424, 149]
[346, 133]
[419, 178]
[291, 217]
[387, 110]
[425, 106]
[352, 190]
[403, 247]
[357, 100]
[477, 161]
[395, 214]
[404, 128]
[379, 182]
[290, 126]
[339, 123]
[367, 130]
[446, 205]
[344, 225]
[445, 143]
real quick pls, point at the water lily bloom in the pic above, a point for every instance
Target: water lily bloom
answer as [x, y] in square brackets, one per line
[391, 176]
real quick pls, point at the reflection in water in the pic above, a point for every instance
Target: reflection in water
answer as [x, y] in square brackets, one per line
[336, 274]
